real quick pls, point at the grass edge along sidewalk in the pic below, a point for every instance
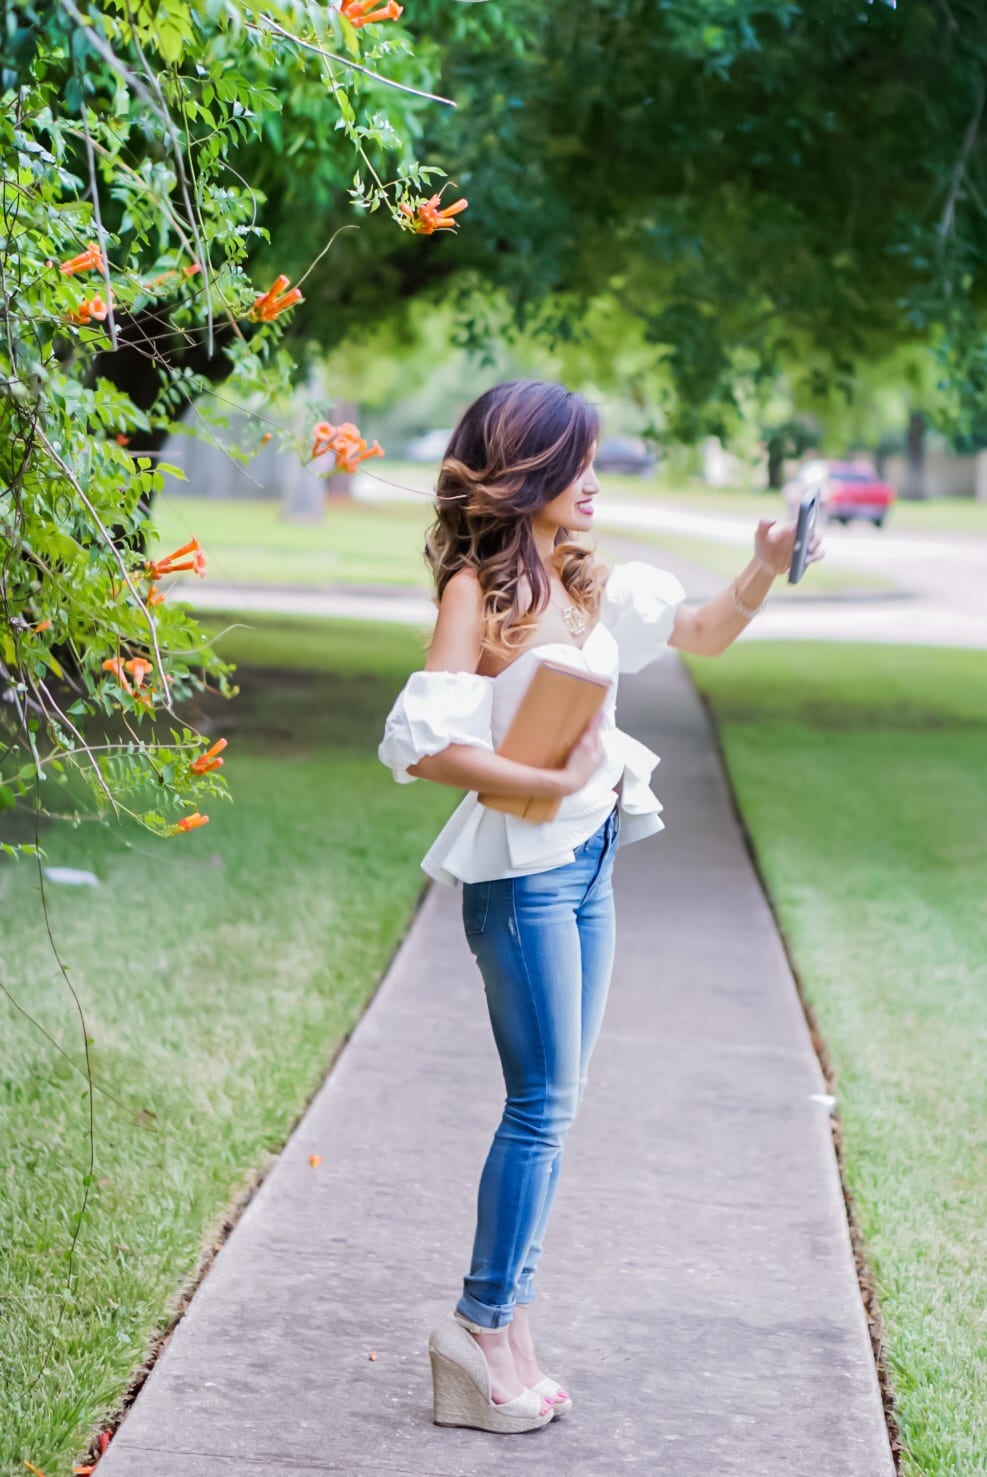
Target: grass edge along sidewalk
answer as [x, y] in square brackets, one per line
[219, 972]
[859, 775]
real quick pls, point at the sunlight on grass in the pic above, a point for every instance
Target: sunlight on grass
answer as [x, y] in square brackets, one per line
[248, 542]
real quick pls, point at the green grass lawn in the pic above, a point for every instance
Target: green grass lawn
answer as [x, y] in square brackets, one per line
[860, 772]
[218, 970]
[247, 541]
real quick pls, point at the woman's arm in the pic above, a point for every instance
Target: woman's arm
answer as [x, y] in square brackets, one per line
[467, 768]
[710, 629]
[456, 646]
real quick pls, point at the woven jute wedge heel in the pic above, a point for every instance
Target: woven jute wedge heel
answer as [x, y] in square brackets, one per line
[461, 1388]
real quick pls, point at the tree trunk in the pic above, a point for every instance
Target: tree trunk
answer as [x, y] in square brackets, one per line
[302, 497]
[340, 484]
[303, 484]
[136, 367]
[776, 464]
[147, 338]
[915, 468]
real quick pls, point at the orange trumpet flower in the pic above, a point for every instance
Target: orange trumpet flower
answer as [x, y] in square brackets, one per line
[138, 669]
[116, 666]
[362, 13]
[154, 596]
[345, 442]
[322, 435]
[88, 309]
[157, 568]
[90, 260]
[209, 760]
[192, 822]
[430, 216]
[274, 301]
[173, 272]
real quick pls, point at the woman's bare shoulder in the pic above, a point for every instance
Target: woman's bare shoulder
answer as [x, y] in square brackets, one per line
[458, 635]
[464, 589]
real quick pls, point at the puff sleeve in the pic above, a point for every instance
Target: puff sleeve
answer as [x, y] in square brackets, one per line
[433, 710]
[639, 607]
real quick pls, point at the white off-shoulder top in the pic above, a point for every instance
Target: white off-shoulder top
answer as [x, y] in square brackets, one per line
[435, 709]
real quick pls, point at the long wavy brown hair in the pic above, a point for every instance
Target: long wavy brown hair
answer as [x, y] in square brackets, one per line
[515, 448]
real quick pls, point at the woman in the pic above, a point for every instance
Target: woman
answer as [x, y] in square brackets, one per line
[516, 483]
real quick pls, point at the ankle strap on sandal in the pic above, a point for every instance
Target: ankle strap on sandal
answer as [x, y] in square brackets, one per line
[477, 1327]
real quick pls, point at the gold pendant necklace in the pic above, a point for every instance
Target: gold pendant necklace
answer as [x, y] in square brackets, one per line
[574, 617]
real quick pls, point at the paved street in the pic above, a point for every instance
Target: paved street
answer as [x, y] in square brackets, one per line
[946, 576]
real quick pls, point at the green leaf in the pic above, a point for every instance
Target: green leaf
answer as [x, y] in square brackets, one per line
[345, 106]
[351, 38]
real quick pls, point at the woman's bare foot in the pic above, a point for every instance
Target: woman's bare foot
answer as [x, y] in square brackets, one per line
[523, 1346]
[505, 1382]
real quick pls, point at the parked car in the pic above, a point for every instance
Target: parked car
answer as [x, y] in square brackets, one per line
[848, 490]
[624, 454]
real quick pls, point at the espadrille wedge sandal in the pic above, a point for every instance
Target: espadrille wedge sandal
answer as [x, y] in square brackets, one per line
[548, 1389]
[552, 1390]
[461, 1388]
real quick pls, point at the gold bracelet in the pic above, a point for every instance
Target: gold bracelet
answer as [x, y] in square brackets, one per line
[750, 611]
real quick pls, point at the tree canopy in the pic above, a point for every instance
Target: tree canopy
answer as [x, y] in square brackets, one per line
[732, 188]
[750, 185]
[128, 233]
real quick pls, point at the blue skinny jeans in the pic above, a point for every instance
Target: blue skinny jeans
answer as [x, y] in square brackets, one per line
[544, 944]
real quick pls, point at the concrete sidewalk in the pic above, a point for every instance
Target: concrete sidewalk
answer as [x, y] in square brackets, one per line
[697, 1293]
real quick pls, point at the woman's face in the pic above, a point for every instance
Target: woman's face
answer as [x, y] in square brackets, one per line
[573, 508]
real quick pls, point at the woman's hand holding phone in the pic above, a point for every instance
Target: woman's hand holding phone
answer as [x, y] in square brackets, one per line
[774, 544]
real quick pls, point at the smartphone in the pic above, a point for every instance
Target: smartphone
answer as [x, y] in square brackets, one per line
[808, 508]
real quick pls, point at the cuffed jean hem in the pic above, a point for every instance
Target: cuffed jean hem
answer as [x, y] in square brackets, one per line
[525, 1291]
[483, 1313]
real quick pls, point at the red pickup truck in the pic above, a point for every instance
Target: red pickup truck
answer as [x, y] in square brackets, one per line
[848, 490]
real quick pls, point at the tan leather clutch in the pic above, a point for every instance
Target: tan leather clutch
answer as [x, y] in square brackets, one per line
[557, 705]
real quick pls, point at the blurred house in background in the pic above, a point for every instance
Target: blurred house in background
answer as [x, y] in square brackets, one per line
[945, 473]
